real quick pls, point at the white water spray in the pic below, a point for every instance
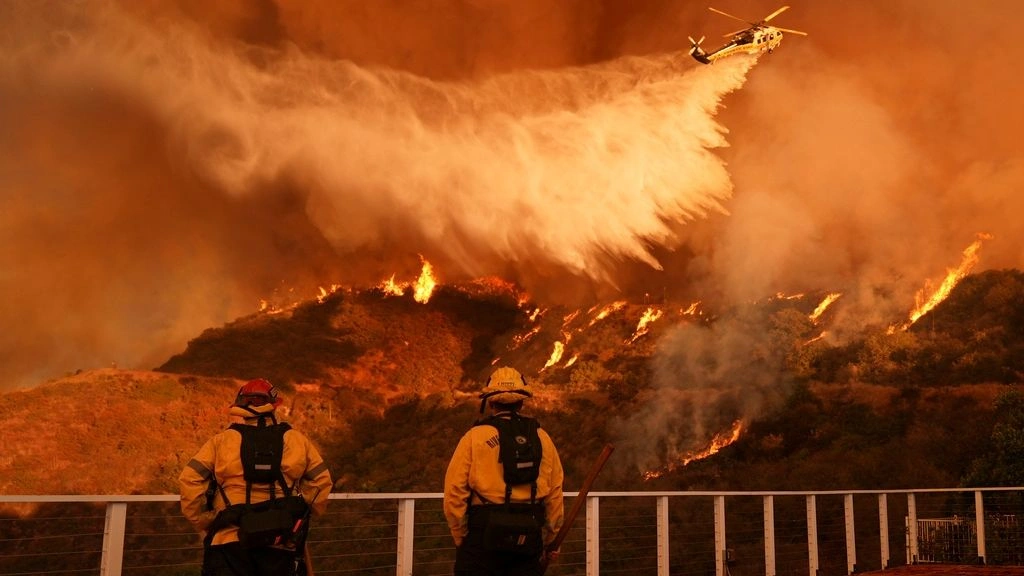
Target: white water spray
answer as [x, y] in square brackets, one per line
[565, 167]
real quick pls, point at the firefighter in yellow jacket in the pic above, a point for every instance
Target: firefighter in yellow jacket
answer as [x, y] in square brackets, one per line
[214, 490]
[475, 484]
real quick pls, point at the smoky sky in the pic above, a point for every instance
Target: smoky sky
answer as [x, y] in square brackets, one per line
[165, 165]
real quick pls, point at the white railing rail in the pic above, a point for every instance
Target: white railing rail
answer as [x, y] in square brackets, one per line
[631, 516]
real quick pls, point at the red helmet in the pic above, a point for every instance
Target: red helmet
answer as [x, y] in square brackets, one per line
[257, 393]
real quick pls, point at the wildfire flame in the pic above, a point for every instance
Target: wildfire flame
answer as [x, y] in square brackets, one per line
[693, 310]
[720, 441]
[556, 355]
[568, 318]
[521, 339]
[643, 326]
[425, 284]
[781, 296]
[390, 287]
[953, 276]
[824, 306]
[816, 338]
[422, 288]
[325, 292]
[606, 311]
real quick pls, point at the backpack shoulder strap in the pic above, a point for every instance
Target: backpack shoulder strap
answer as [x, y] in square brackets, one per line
[249, 435]
[507, 428]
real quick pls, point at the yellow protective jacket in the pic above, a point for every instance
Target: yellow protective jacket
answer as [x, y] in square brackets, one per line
[301, 465]
[474, 473]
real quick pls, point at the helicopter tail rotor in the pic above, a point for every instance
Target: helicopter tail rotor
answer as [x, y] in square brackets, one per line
[695, 45]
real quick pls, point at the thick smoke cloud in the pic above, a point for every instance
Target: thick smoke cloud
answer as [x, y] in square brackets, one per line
[167, 164]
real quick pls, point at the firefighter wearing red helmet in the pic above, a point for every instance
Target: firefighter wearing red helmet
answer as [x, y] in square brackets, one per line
[503, 486]
[257, 463]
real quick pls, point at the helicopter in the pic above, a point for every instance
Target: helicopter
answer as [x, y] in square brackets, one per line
[759, 37]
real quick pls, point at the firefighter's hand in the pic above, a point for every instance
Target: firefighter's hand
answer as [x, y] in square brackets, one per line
[550, 555]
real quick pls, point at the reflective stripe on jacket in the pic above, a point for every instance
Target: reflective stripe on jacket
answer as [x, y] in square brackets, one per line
[474, 469]
[301, 465]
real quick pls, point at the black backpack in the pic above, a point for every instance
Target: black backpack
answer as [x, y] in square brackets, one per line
[514, 527]
[262, 449]
[520, 450]
[280, 520]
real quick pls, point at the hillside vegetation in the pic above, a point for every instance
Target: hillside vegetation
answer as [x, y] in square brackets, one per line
[385, 386]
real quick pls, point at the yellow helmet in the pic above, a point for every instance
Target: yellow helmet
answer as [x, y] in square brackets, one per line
[505, 386]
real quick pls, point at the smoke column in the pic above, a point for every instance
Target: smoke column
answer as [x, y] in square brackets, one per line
[159, 180]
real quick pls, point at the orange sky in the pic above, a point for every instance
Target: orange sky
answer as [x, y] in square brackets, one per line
[166, 164]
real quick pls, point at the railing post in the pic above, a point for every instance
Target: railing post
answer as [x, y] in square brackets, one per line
[406, 525]
[911, 528]
[113, 539]
[593, 536]
[720, 554]
[812, 535]
[769, 535]
[851, 534]
[883, 528]
[662, 535]
[979, 520]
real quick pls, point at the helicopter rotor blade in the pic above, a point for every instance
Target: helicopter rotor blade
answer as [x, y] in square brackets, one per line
[791, 31]
[776, 13]
[731, 34]
[717, 11]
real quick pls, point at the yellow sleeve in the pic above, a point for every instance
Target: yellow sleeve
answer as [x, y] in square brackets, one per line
[554, 506]
[193, 482]
[457, 490]
[316, 482]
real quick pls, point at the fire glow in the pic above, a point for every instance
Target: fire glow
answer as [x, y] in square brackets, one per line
[953, 277]
[824, 306]
[717, 443]
[422, 288]
[643, 326]
[614, 306]
[556, 354]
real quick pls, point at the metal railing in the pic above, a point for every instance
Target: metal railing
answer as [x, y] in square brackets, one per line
[825, 533]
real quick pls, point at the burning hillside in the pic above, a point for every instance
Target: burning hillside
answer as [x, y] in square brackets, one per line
[692, 379]
[168, 164]
[698, 386]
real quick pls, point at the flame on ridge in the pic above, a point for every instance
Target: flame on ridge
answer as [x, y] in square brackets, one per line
[325, 292]
[422, 288]
[781, 296]
[520, 339]
[720, 441]
[556, 354]
[618, 305]
[824, 306]
[953, 276]
[643, 326]
[816, 338]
